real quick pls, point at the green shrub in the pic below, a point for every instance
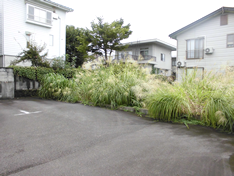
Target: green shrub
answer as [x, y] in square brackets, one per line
[33, 54]
[37, 73]
[42, 71]
[27, 72]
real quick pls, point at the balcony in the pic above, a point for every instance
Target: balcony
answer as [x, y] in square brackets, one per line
[39, 20]
[136, 57]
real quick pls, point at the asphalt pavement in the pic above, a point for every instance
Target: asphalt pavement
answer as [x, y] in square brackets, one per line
[49, 138]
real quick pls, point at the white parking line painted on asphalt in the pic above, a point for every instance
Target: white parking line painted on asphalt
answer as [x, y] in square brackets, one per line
[27, 113]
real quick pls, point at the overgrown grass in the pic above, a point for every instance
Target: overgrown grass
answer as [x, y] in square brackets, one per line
[56, 86]
[118, 84]
[209, 100]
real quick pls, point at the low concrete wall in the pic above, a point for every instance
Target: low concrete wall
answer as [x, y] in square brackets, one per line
[25, 84]
[11, 86]
[7, 86]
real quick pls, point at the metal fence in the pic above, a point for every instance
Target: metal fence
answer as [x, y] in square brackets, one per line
[135, 57]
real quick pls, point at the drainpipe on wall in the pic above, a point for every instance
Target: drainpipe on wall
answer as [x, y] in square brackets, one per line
[59, 35]
[3, 56]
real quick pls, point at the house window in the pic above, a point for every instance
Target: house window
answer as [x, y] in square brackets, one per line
[173, 61]
[195, 48]
[230, 40]
[39, 15]
[223, 20]
[51, 40]
[162, 57]
[198, 71]
[144, 51]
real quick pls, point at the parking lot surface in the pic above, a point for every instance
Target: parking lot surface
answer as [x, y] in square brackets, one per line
[50, 138]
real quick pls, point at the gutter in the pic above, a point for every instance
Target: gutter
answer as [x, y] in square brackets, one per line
[67, 9]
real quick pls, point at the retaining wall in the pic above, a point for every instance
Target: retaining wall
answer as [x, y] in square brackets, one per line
[7, 86]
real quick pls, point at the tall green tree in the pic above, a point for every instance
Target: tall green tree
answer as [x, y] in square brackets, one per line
[72, 43]
[104, 38]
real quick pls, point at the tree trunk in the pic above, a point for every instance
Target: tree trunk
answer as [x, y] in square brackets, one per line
[106, 59]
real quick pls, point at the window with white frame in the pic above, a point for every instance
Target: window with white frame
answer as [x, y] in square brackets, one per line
[51, 40]
[230, 40]
[37, 14]
[195, 48]
[162, 57]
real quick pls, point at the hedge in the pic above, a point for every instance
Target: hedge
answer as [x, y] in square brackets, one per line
[36, 73]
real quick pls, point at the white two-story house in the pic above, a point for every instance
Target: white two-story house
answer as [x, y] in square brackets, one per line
[154, 53]
[22, 21]
[207, 44]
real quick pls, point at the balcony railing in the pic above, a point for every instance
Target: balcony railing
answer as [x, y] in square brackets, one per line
[136, 57]
[39, 19]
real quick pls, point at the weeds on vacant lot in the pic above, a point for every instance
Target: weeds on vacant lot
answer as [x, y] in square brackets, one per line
[115, 85]
[209, 100]
[56, 86]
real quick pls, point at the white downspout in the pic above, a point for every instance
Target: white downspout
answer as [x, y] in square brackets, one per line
[59, 35]
[3, 56]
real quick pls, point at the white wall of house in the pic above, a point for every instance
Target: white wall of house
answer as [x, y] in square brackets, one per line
[215, 36]
[15, 27]
[156, 51]
[165, 64]
[1, 29]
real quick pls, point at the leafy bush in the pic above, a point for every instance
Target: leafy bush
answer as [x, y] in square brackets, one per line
[37, 73]
[34, 54]
[58, 63]
[27, 72]
[42, 71]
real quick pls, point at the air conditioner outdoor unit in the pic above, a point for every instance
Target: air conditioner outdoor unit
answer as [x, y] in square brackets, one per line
[180, 64]
[209, 50]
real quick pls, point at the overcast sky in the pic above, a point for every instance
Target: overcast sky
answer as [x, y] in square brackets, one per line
[148, 18]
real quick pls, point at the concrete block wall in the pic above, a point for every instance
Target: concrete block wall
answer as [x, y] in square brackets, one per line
[25, 84]
[7, 86]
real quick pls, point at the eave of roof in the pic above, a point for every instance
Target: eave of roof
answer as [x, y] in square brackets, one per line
[156, 41]
[201, 20]
[67, 9]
